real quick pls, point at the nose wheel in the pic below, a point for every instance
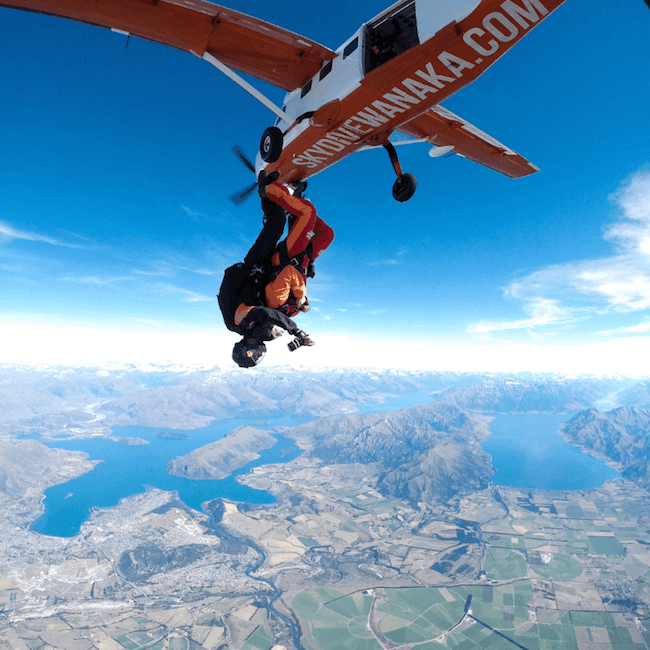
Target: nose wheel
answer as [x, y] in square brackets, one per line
[271, 144]
[405, 185]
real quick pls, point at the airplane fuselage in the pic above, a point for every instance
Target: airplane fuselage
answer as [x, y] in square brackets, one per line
[364, 95]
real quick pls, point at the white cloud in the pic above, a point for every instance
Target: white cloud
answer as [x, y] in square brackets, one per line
[389, 262]
[392, 261]
[189, 296]
[199, 216]
[93, 279]
[161, 273]
[12, 233]
[165, 269]
[207, 272]
[34, 344]
[565, 293]
[542, 312]
[60, 344]
[641, 328]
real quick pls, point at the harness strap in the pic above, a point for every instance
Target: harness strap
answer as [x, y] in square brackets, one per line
[302, 261]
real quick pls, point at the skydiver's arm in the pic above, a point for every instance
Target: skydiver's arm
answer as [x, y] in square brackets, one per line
[264, 315]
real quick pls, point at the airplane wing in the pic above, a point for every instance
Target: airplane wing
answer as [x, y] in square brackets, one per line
[246, 44]
[444, 129]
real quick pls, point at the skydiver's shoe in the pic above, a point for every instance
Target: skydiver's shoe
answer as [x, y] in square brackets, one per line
[300, 188]
[264, 180]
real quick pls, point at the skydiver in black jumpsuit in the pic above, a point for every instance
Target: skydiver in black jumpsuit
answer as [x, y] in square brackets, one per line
[242, 291]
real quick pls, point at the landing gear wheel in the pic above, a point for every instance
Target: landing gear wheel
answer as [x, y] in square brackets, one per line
[271, 145]
[404, 187]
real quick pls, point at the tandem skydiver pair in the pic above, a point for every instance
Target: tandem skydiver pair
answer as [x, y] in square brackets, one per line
[259, 296]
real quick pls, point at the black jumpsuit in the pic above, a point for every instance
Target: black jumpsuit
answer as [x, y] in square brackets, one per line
[244, 283]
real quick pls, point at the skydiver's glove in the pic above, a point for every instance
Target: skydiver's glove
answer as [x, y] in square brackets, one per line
[301, 338]
[264, 180]
[303, 304]
[276, 331]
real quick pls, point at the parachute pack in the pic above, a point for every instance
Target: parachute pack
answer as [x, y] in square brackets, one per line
[241, 284]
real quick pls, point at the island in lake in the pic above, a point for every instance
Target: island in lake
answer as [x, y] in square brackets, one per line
[174, 435]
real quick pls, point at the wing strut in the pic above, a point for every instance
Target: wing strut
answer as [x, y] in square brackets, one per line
[247, 87]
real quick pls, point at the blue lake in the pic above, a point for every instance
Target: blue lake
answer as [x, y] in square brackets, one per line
[131, 469]
[127, 470]
[527, 451]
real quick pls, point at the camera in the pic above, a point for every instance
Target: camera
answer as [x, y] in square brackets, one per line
[295, 344]
[300, 339]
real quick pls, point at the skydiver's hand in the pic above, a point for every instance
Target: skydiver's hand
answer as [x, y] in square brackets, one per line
[304, 338]
[276, 332]
[303, 304]
[264, 180]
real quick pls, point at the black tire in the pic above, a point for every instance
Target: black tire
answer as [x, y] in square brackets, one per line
[271, 144]
[404, 187]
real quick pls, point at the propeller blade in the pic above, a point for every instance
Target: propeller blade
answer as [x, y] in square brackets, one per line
[244, 194]
[242, 156]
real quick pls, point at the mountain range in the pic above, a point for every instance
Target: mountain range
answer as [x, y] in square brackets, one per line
[427, 452]
[219, 459]
[424, 453]
[620, 436]
[60, 399]
[530, 395]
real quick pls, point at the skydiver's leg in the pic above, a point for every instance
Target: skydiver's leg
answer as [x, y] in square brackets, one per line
[274, 222]
[302, 229]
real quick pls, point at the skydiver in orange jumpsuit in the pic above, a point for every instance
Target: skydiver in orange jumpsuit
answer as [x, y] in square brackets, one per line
[293, 261]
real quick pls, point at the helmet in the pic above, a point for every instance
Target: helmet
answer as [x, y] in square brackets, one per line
[247, 353]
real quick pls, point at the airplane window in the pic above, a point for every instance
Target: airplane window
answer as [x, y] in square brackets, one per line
[389, 35]
[327, 68]
[350, 47]
[305, 89]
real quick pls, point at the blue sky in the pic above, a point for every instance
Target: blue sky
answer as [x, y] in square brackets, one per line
[115, 225]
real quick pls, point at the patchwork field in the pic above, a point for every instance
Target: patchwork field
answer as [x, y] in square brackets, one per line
[560, 572]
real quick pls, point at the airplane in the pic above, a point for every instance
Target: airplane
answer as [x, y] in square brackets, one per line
[389, 77]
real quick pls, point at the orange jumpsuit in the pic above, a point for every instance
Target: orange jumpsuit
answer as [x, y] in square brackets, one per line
[291, 284]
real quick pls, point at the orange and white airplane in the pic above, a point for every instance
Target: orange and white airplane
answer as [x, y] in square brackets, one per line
[389, 77]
